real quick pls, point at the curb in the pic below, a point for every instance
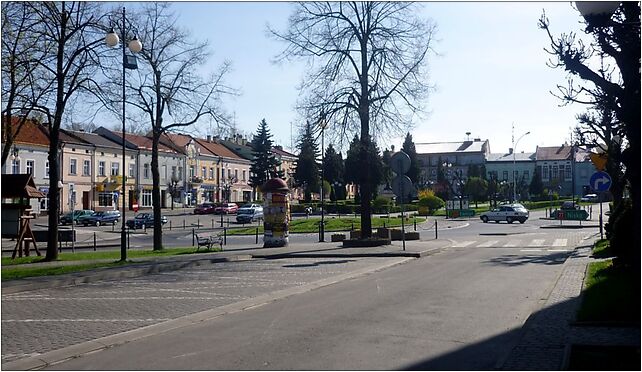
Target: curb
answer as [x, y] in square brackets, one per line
[570, 227]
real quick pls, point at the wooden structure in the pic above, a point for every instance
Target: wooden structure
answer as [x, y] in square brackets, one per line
[20, 188]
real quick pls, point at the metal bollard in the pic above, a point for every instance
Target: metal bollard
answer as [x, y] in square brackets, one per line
[257, 236]
[183, 223]
[225, 236]
[198, 223]
[436, 233]
[128, 236]
[170, 224]
[212, 223]
[414, 220]
[94, 241]
[193, 237]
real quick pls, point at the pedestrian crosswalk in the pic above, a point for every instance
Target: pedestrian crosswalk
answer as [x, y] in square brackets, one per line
[525, 245]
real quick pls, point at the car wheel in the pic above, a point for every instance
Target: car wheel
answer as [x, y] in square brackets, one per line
[484, 219]
[509, 219]
[522, 221]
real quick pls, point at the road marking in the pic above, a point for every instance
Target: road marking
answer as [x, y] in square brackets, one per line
[83, 320]
[536, 243]
[559, 243]
[558, 250]
[512, 243]
[530, 250]
[489, 243]
[463, 244]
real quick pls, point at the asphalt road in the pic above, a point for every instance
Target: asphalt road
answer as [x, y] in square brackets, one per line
[459, 309]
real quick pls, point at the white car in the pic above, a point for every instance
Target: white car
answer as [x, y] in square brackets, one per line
[589, 198]
[508, 213]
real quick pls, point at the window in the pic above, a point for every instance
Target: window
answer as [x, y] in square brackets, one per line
[114, 169]
[223, 173]
[47, 169]
[147, 198]
[101, 168]
[146, 170]
[236, 174]
[204, 172]
[505, 175]
[545, 173]
[516, 175]
[173, 171]
[180, 173]
[86, 168]
[30, 165]
[72, 166]
[567, 173]
[211, 173]
[526, 175]
[554, 174]
[191, 171]
[243, 174]
[132, 168]
[164, 172]
[105, 199]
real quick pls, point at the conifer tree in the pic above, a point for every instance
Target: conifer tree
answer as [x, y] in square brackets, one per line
[409, 148]
[306, 173]
[264, 164]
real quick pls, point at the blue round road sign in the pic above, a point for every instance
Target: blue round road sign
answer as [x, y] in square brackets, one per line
[600, 181]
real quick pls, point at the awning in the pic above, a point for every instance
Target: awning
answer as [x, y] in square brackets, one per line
[208, 187]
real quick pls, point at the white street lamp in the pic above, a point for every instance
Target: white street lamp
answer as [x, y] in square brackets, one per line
[112, 40]
[514, 151]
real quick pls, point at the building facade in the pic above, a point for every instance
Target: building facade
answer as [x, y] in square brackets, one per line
[510, 167]
[564, 169]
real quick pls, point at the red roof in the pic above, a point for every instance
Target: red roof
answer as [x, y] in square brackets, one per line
[144, 143]
[30, 133]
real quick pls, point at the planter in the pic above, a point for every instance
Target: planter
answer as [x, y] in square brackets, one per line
[355, 234]
[410, 235]
[337, 237]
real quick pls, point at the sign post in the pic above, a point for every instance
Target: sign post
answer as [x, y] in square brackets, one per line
[600, 182]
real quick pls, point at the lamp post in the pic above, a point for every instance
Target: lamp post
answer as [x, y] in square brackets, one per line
[514, 166]
[322, 123]
[135, 46]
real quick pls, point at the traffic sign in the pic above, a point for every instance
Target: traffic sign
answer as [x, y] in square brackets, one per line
[600, 181]
[402, 187]
[400, 162]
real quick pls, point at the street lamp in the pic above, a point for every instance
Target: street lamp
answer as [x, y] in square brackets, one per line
[322, 123]
[514, 151]
[135, 46]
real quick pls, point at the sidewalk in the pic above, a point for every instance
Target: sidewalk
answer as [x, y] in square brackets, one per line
[144, 266]
[547, 335]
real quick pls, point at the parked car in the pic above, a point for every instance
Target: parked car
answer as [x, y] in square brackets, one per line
[508, 213]
[144, 220]
[205, 208]
[249, 213]
[100, 218]
[589, 198]
[66, 218]
[226, 208]
[569, 205]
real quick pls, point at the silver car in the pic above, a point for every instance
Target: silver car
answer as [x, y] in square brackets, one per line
[508, 213]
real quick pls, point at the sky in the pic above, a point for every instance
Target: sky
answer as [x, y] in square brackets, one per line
[490, 73]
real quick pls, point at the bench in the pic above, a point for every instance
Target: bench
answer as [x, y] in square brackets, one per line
[208, 241]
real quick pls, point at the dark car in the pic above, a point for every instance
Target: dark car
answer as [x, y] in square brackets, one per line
[205, 208]
[67, 218]
[144, 220]
[100, 218]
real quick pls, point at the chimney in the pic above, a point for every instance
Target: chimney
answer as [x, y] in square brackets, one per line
[510, 150]
[477, 139]
[209, 138]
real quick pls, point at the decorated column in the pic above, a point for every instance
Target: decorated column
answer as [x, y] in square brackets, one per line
[276, 213]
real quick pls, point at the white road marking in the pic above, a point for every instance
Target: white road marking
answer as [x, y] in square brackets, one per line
[559, 243]
[536, 243]
[558, 250]
[530, 250]
[512, 243]
[489, 243]
[463, 244]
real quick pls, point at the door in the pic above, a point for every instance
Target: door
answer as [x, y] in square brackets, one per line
[85, 200]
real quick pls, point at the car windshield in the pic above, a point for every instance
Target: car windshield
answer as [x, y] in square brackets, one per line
[99, 214]
[245, 211]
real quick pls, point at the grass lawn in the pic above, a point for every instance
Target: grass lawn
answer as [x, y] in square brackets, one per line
[311, 225]
[602, 249]
[610, 295]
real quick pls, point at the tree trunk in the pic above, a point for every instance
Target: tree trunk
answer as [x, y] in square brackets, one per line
[365, 187]
[156, 197]
[54, 199]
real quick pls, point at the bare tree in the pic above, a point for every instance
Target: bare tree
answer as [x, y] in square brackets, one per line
[68, 35]
[21, 88]
[366, 70]
[169, 91]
